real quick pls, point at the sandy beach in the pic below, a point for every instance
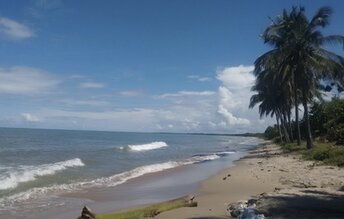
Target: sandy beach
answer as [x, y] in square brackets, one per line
[285, 186]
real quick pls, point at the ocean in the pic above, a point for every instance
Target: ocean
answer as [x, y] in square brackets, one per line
[44, 172]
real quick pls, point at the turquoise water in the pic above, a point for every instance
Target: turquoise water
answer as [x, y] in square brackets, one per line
[38, 166]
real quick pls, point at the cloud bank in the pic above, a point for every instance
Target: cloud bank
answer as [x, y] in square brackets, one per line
[234, 94]
[222, 110]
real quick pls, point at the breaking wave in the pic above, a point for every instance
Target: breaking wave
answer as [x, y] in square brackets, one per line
[111, 181]
[145, 147]
[13, 176]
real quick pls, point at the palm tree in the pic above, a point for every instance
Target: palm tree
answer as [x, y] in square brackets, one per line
[299, 58]
[272, 101]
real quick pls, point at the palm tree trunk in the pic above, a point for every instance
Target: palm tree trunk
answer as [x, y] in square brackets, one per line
[285, 132]
[286, 125]
[308, 125]
[279, 128]
[297, 114]
[290, 127]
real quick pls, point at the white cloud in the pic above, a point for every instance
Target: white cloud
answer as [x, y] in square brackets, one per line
[26, 81]
[72, 102]
[130, 93]
[227, 99]
[14, 30]
[188, 93]
[234, 95]
[91, 85]
[199, 78]
[204, 79]
[29, 117]
[230, 118]
[236, 77]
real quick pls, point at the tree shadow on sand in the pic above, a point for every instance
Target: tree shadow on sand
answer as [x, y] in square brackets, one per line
[304, 204]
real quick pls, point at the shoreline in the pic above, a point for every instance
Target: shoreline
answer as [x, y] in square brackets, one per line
[272, 177]
[264, 173]
[216, 192]
[199, 188]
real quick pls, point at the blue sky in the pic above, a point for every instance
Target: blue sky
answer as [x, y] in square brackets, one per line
[174, 66]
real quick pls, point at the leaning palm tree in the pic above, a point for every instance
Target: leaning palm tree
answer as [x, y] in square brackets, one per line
[299, 58]
[271, 102]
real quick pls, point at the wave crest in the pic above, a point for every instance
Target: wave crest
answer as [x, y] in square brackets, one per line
[145, 147]
[14, 176]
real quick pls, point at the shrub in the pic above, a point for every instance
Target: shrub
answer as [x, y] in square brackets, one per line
[271, 132]
[328, 154]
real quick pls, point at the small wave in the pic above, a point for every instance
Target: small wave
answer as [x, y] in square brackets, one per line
[13, 176]
[111, 181]
[225, 153]
[145, 147]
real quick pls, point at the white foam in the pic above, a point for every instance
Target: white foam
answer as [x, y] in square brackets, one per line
[145, 147]
[226, 152]
[104, 181]
[13, 176]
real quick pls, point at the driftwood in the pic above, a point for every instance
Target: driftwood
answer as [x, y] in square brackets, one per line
[190, 201]
[151, 211]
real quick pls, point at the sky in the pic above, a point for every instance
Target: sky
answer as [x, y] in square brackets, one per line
[145, 66]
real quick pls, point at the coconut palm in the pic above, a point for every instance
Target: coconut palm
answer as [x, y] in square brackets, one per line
[272, 102]
[299, 58]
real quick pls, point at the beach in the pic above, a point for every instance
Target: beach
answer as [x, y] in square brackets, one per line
[285, 186]
[217, 170]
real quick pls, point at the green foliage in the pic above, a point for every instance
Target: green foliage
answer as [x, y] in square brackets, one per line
[318, 118]
[291, 147]
[327, 119]
[335, 119]
[326, 153]
[271, 132]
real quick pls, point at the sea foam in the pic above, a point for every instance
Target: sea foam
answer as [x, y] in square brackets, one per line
[145, 147]
[111, 181]
[13, 176]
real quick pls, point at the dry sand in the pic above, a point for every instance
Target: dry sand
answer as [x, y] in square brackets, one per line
[285, 186]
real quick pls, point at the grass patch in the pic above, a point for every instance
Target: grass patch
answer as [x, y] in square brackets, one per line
[149, 211]
[326, 153]
[291, 147]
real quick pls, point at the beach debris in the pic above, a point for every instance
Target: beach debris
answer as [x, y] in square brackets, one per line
[87, 213]
[190, 199]
[245, 210]
[277, 189]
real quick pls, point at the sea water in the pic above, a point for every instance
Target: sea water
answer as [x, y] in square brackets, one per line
[40, 168]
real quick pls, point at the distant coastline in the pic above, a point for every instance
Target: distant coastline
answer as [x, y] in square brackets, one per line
[247, 134]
